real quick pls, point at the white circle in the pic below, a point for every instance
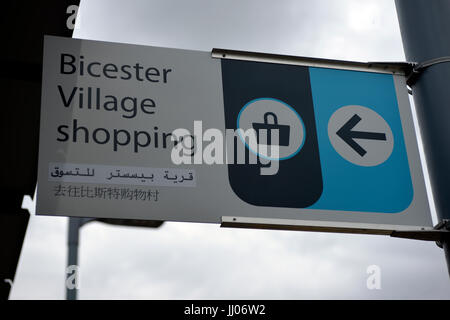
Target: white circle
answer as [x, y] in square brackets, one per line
[262, 111]
[356, 134]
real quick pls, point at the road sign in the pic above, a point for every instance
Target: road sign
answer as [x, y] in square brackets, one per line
[165, 134]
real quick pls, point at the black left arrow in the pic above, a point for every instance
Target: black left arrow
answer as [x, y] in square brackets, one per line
[348, 135]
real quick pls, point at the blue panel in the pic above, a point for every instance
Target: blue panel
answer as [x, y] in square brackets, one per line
[383, 188]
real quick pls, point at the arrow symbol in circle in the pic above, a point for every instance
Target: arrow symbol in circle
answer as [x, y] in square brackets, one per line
[348, 135]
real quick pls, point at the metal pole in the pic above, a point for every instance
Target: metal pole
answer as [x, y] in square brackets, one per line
[425, 29]
[72, 242]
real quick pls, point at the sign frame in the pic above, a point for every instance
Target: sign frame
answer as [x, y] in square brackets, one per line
[335, 220]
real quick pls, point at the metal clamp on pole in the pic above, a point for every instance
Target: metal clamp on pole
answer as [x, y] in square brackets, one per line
[445, 226]
[440, 233]
[418, 68]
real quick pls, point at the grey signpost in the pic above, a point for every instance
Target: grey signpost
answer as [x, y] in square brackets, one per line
[73, 240]
[72, 256]
[425, 27]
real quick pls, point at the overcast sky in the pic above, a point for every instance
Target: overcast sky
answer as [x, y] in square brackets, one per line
[198, 261]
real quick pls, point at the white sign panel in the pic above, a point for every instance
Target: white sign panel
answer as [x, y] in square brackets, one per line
[153, 133]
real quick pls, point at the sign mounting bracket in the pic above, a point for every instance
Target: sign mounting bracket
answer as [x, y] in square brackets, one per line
[438, 233]
[398, 68]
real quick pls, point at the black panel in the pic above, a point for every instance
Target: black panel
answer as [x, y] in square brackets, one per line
[298, 183]
[23, 26]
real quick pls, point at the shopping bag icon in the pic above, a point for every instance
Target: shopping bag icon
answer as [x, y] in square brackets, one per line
[283, 130]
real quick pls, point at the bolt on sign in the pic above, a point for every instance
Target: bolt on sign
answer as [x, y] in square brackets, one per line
[143, 132]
